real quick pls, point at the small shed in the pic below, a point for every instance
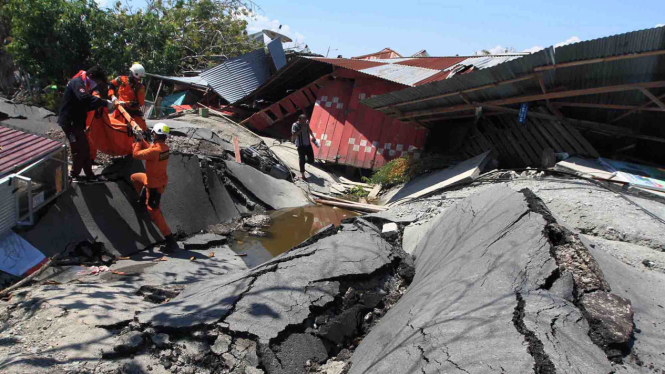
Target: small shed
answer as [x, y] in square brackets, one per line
[33, 172]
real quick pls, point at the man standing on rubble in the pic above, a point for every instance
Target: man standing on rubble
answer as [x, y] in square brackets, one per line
[131, 92]
[76, 103]
[151, 185]
[301, 135]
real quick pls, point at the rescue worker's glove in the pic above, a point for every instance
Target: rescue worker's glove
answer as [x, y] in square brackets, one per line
[138, 136]
[110, 105]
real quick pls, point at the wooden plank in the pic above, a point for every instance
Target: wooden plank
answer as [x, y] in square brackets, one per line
[552, 138]
[517, 147]
[607, 106]
[509, 152]
[527, 98]
[576, 147]
[641, 107]
[436, 181]
[588, 148]
[374, 193]
[530, 140]
[536, 135]
[524, 143]
[236, 149]
[653, 97]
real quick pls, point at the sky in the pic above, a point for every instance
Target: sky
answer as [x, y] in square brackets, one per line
[448, 27]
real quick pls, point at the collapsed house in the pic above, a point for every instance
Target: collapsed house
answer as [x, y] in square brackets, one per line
[353, 134]
[604, 94]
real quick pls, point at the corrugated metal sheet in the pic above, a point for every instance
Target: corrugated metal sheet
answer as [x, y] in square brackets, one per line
[238, 77]
[196, 81]
[355, 135]
[501, 72]
[484, 62]
[347, 63]
[626, 71]
[407, 75]
[277, 53]
[412, 71]
[8, 214]
[19, 149]
[436, 63]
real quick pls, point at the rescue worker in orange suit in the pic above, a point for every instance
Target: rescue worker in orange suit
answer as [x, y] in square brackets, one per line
[151, 185]
[76, 103]
[131, 93]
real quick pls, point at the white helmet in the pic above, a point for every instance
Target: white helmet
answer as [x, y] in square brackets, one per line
[161, 129]
[138, 71]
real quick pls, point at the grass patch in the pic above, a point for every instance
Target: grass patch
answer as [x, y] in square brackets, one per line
[403, 169]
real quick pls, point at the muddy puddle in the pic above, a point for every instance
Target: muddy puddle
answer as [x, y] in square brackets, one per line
[289, 228]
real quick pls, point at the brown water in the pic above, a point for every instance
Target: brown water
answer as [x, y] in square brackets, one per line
[289, 228]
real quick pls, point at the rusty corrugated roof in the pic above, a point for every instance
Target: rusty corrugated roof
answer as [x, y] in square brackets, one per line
[415, 71]
[19, 149]
[436, 63]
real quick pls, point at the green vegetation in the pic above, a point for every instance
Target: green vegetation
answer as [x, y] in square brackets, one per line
[51, 40]
[403, 169]
[358, 191]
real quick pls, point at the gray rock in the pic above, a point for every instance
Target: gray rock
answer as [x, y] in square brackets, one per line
[222, 344]
[296, 350]
[259, 220]
[161, 340]
[610, 316]
[129, 343]
[342, 326]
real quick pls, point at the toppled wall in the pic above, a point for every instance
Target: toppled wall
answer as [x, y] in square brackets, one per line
[500, 286]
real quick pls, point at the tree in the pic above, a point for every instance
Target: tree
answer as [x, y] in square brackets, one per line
[54, 39]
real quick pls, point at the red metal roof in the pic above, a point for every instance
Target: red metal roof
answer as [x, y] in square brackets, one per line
[349, 64]
[436, 63]
[384, 53]
[18, 148]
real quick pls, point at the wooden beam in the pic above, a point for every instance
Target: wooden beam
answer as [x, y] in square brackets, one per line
[641, 107]
[587, 125]
[598, 60]
[605, 106]
[491, 85]
[653, 97]
[531, 76]
[527, 98]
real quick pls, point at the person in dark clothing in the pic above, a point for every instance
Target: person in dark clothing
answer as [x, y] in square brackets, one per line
[301, 135]
[76, 103]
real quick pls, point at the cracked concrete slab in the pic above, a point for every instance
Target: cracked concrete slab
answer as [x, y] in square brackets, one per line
[108, 213]
[646, 290]
[263, 302]
[475, 305]
[26, 111]
[275, 193]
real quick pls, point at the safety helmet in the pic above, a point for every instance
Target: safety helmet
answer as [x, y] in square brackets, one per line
[137, 70]
[161, 129]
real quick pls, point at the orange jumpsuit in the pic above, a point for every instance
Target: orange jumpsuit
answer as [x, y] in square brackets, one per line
[156, 158]
[131, 93]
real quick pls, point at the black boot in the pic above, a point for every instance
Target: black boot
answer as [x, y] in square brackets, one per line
[171, 244]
